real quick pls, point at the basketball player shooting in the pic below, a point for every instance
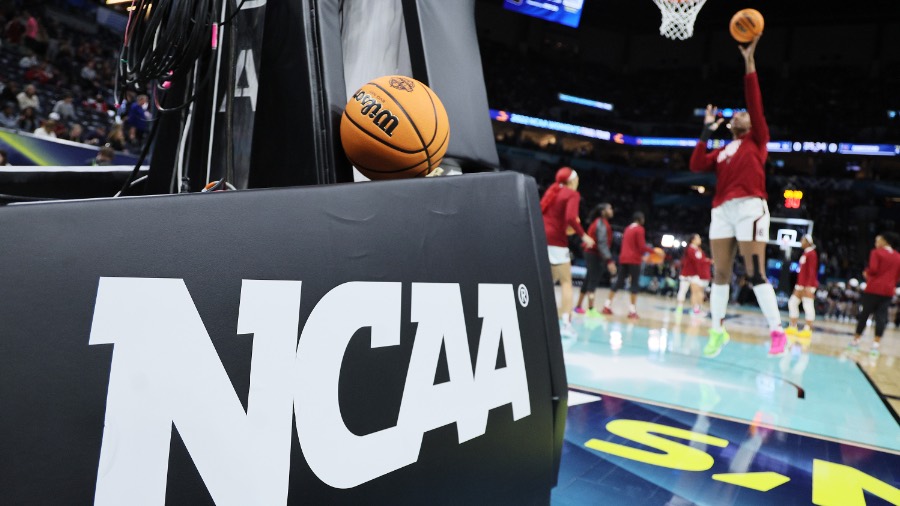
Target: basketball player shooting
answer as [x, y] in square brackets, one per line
[740, 214]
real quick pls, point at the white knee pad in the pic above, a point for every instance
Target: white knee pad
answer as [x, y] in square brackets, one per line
[809, 307]
[682, 289]
[794, 306]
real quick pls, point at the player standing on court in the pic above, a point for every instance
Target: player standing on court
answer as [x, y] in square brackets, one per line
[695, 274]
[740, 214]
[559, 206]
[634, 247]
[805, 290]
[597, 255]
[882, 276]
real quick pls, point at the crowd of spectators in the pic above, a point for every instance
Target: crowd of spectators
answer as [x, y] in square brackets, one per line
[58, 82]
[819, 103]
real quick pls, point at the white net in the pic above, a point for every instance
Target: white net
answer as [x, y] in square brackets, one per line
[678, 17]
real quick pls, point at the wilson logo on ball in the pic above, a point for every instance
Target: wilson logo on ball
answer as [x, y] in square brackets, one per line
[371, 108]
[394, 127]
[403, 84]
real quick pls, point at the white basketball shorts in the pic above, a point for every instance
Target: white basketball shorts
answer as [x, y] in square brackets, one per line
[746, 219]
[695, 280]
[558, 255]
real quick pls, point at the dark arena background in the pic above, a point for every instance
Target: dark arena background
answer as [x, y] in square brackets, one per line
[205, 303]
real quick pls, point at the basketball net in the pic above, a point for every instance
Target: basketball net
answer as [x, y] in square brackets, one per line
[678, 17]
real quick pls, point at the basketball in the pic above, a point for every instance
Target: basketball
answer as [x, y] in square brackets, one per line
[656, 256]
[746, 24]
[395, 127]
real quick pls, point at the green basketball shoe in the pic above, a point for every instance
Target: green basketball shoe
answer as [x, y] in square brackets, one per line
[717, 339]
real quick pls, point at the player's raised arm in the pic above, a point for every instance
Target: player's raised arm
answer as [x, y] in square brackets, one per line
[759, 129]
[701, 161]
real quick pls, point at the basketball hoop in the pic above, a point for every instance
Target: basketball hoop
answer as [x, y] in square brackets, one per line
[678, 17]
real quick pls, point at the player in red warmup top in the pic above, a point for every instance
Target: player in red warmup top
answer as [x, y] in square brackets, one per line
[559, 207]
[695, 274]
[740, 214]
[804, 290]
[634, 247]
[882, 276]
[598, 256]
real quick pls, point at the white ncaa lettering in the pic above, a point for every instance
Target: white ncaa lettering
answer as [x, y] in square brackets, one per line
[166, 372]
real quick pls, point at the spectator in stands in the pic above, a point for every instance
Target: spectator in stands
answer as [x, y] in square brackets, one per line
[133, 142]
[64, 108]
[89, 73]
[15, 30]
[27, 120]
[29, 60]
[96, 137]
[29, 98]
[95, 103]
[76, 133]
[4, 158]
[32, 31]
[10, 92]
[8, 116]
[42, 73]
[116, 138]
[138, 114]
[65, 53]
[104, 156]
[48, 128]
[123, 107]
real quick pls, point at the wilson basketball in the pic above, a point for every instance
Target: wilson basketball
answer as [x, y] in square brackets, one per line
[656, 256]
[395, 127]
[746, 24]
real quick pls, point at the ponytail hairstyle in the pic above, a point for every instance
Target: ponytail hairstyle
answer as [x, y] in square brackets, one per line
[892, 238]
[597, 211]
[563, 176]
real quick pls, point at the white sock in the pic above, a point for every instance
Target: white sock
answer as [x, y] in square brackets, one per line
[682, 291]
[565, 318]
[794, 307]
[631, 308]
[765, 296]
[608, 303]
[718, 303]
[809, 307]
[875, 344]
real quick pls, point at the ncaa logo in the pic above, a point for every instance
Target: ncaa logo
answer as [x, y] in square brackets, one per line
[167, 373]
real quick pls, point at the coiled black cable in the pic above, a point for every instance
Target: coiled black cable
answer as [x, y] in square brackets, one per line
[163, 41]
[164, 38]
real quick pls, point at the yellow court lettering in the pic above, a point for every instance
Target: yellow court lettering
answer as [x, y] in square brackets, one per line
[840, 485]
[675, 455]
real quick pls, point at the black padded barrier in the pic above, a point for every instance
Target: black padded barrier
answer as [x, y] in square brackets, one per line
[286, 346]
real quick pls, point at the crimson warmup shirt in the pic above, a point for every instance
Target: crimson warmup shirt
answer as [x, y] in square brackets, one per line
[561, 214]
[592, 231]
[695, 263]
[809, 268]
[883, 272]
[634, 246]
[740, 172]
